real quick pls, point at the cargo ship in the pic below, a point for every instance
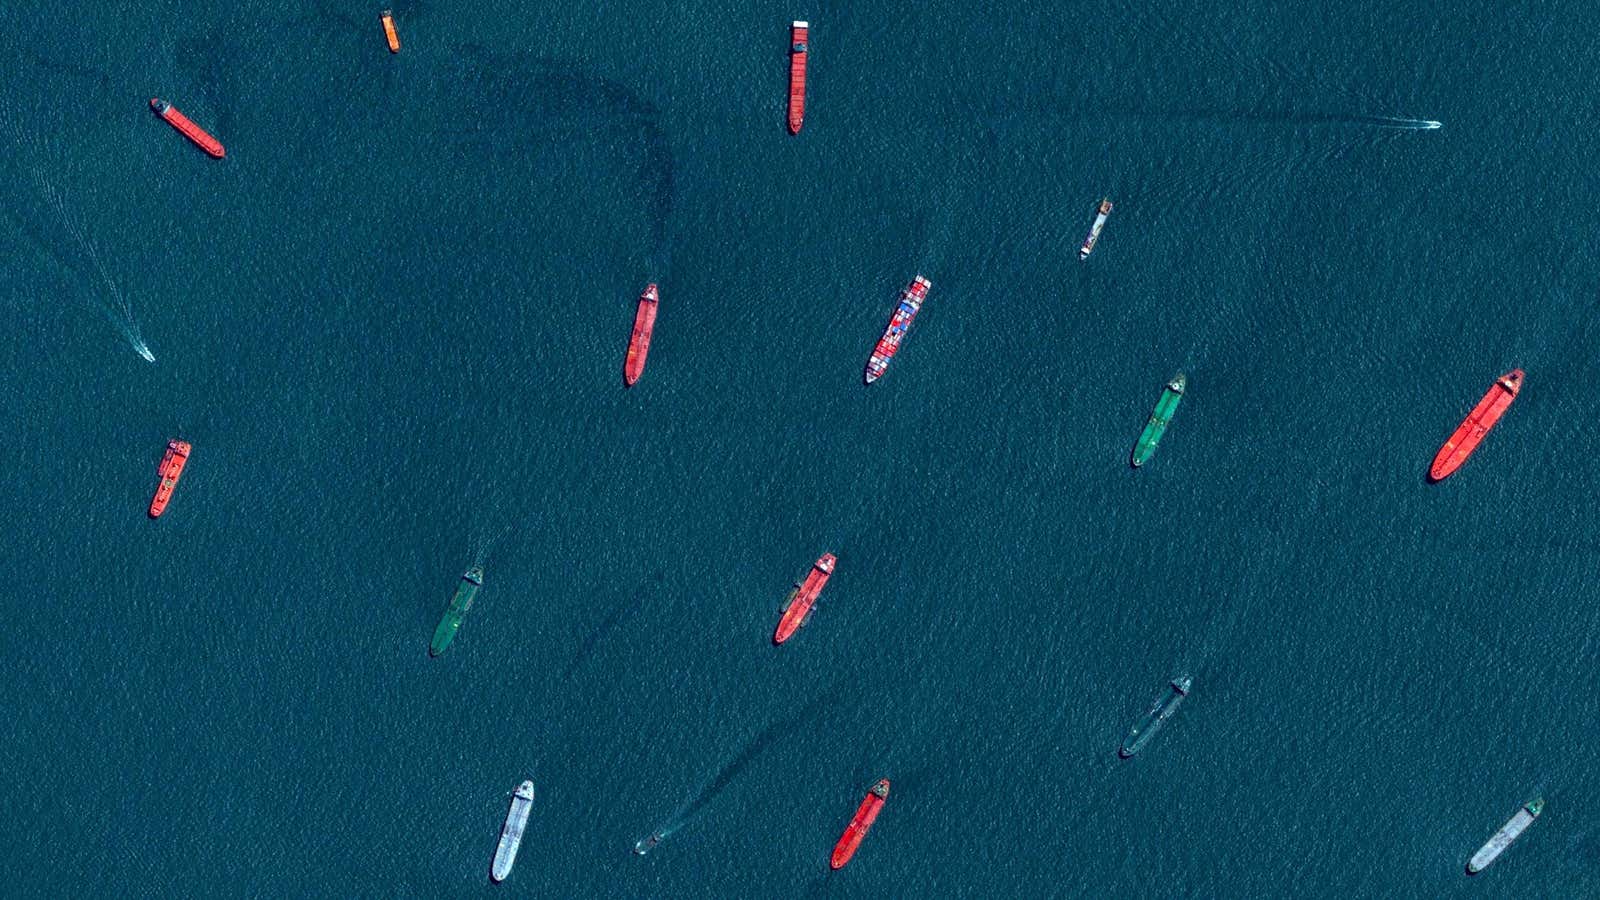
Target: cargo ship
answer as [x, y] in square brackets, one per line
[505, 855]
[466, 592]
[797, 75]
[910, 302]
[1164, 707]
[1502, 839]
[1094, 230]
[389, 32]
[170, 470]
[644, 324]
[1477, 424]
[1159, 417]
[187, 127]
[866, 814]
[804, 598]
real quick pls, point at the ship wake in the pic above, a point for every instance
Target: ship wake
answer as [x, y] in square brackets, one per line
[113, 303]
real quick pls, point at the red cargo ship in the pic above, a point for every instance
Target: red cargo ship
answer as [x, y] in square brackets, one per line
[189, 129]
[797, 76]
[171, 470]
[644, 323]
[1477, 424]
[803, 599]
[866, 814]
[910, 301]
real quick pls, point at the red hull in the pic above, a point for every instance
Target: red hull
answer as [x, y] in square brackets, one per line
[188, 128]
[644, 324]
[1477, 424]
[804, 599]
[797, 76]
[171, 470]
[866, 814]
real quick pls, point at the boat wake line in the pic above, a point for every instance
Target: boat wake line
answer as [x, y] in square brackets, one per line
[118, 309]
[1393, 122]
[725, 776]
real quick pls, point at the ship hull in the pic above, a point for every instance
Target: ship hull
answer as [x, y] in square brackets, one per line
[860, 824]
[1095, 229]
[185, 126]
[170, 470]
[389, 34]
[1472, 430]
[1509, 832]
[505, 854]
[804, 599]
[911, 300]
[644, 325]
[460, 604]
[1162, 710]
[1160, 418]
[798, 51]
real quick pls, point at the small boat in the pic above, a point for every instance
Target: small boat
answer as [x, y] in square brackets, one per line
[505, 854]
[187, 127]
[648, 844]
[1094, 230]
[644, 325]
[1472, 429]
[866, 814]
[389, 32]
[797, 75]
[170, 470]
[804, 598]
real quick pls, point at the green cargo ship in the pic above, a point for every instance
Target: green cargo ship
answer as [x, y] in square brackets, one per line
[466, 592]
[1159, 417]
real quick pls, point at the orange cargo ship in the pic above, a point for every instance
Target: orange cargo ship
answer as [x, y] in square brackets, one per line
[188, 128]
[1470, 433]
[171, 470]
[866, 814]
[644, 324]
[797, 76]
[389, 32]
[804, 598]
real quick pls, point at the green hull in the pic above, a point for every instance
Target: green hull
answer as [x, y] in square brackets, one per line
[1159, 417]
[466, 592]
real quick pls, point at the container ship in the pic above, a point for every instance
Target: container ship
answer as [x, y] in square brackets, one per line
[1159, 418]
[1164, 707]
[804, 598]
[466, 592]
[910, 301]
[1477, 424]
[1094, 230]
[388, 31]
[187, 128]
[644, 324]
[866, 814]
[170, 470]
[505, 855]
[1502, 839]
[797, 76]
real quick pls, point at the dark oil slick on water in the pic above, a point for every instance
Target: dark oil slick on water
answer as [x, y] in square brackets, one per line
[392, 323]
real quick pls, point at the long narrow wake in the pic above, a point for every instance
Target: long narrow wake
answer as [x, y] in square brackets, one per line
[118, 309]
[725, 776]
[1392, 122]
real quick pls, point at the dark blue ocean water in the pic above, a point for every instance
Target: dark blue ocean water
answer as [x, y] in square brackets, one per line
[392, 323]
